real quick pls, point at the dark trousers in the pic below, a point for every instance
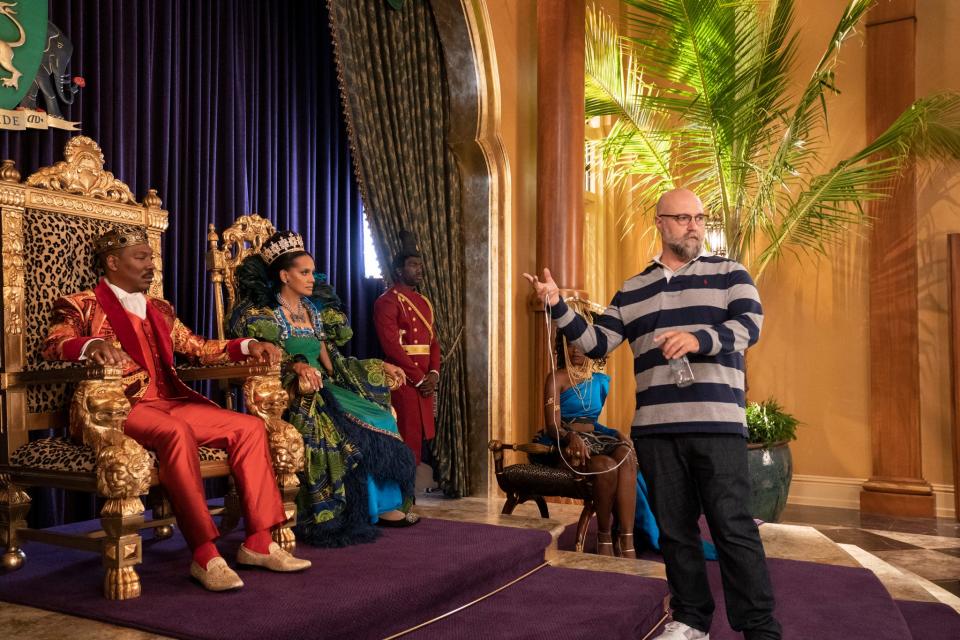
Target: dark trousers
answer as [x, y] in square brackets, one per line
[687, 473]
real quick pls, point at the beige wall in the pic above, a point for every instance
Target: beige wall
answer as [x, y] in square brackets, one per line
[814, 354]
[938, 210]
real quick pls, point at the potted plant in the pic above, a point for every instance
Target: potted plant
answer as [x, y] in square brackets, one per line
[769, 431]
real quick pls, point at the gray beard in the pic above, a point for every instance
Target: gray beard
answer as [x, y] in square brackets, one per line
[685, 251]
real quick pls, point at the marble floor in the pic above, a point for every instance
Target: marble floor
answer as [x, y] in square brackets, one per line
[914, 559]
[926, 547]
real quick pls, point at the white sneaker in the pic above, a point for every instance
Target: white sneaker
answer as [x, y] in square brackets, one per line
[679, 631]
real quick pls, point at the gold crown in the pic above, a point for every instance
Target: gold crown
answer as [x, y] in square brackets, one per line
[117, 239]
[286, 244]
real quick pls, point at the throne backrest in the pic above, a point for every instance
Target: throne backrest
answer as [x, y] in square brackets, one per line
[243, 238]
[49, 223]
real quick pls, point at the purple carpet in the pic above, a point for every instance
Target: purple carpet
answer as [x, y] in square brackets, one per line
[556, 603]
[821, 601]
[366, 591]
[930, 620]
[814, 601]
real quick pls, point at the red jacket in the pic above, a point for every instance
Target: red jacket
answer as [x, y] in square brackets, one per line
[98, 314]
[404, 322]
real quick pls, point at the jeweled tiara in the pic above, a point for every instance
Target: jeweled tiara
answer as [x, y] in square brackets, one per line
[286, 244]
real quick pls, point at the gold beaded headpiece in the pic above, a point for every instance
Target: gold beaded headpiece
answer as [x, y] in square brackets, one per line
[118, 239]
[588, 310]
[285, 244]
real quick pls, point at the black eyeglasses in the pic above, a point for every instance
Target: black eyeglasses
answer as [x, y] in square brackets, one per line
[685, 218]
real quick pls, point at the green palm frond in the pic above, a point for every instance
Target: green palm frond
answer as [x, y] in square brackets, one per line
[638, 144]
[702, 93]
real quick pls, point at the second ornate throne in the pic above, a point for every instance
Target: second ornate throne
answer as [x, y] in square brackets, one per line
[48, 225]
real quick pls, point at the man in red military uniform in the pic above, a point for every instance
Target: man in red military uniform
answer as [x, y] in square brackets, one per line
[404, 320]
[117, 324]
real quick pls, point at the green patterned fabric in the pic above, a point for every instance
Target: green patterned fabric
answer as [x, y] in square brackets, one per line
[396, 100]
[322, 503]
[349, 434]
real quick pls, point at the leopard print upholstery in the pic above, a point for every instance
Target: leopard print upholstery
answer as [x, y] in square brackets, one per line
[60, 454]
[58, 254]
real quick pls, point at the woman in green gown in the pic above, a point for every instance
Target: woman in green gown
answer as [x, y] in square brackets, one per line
[358, 472]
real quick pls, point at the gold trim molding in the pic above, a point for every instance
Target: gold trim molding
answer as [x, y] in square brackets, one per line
[11, 197]
[78, 205]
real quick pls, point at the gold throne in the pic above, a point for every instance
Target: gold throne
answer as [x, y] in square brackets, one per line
[242, 239]
[48, 226]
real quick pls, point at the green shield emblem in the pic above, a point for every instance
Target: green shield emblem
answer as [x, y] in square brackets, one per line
[23, 34]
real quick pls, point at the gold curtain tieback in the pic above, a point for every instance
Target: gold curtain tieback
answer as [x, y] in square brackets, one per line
[417, 349]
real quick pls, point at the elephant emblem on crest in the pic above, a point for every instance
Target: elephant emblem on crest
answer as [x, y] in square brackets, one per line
[52, 77]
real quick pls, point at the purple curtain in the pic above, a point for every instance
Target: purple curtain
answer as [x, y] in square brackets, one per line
[225, 108]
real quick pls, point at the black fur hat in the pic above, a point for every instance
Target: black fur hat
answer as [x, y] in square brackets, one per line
[409, 248]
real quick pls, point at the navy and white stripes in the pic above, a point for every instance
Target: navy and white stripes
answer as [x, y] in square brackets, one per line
[711, 297]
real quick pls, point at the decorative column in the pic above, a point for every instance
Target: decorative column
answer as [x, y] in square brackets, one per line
[897, 486]
[560, 49]
[953, 269]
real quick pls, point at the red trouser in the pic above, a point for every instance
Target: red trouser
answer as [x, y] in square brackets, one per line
[174, 429]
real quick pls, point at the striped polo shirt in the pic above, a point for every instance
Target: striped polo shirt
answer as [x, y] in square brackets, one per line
[711, 297]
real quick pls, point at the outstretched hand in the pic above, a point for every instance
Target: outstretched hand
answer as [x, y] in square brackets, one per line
[547, 290]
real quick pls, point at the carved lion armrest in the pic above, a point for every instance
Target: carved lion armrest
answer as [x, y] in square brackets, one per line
[393, 382]
[98, 411]
[266, 398]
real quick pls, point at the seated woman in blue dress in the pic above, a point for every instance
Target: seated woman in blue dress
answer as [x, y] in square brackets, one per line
[573, 399]
[358, 471]
[590, 446]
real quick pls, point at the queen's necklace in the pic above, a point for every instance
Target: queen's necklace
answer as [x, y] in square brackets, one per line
[296, 315]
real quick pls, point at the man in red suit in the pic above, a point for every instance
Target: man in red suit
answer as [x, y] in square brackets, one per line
[117, 324]
[404, 321]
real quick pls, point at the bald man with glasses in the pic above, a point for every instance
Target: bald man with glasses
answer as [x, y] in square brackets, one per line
[689, 312]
